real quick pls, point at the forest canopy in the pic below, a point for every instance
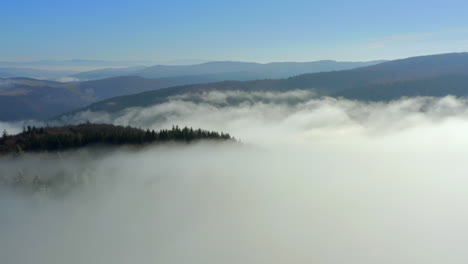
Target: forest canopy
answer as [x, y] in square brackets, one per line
[40, 139]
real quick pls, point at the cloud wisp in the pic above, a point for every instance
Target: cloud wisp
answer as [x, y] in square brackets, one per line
[291, 116]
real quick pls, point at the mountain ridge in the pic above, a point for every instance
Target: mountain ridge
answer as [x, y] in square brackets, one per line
[257, 70]
[351, 84]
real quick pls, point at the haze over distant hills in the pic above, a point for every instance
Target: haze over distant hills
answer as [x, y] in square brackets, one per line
[36, 73]
[87, 65]
[435, 75]
[26, 98]
[227, 70]
[42, 99]
[85, 70]
[23, 98]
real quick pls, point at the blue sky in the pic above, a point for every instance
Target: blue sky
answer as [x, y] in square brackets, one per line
[261, 31]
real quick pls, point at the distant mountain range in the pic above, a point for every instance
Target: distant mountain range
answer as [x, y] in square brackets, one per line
[435, 75]
[86, 65]
[22, 98]
[39, 99]
[26, 98]
[226, 70]
[79, 70]
[35, 73]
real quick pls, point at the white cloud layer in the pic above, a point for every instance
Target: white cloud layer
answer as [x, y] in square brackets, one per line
[68, 79]
[319, 181]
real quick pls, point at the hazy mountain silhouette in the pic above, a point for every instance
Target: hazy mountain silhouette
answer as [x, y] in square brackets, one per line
[34, 73]
[227, 70]
[23, 98]
[26, 98]
[434, 75]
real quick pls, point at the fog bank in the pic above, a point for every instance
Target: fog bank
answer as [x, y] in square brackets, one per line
[317, 181]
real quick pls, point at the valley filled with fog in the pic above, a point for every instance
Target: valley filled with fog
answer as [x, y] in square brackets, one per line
[312, 180]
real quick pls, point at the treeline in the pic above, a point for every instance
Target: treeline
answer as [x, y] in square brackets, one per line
[34, 139]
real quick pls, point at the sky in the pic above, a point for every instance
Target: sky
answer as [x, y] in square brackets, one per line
[242, 30]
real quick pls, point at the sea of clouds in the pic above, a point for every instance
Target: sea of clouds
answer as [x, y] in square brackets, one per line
[314, 181]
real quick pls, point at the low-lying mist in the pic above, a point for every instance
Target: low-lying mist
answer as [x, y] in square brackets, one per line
[315, 181]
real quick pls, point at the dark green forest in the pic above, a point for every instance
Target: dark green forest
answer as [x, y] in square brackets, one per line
[40, 139]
